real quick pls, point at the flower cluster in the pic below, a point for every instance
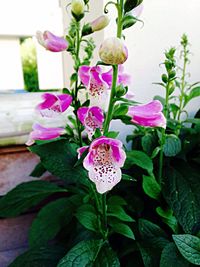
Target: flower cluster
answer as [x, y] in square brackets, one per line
[105, 156]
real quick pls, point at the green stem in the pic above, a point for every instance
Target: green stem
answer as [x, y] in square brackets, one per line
[182, 85]
[104, 209]
[163, 135]
[77, 65]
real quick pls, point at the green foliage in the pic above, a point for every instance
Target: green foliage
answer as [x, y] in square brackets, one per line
[189, 247]
[151, 187]
[25, 196]
[29, 64]
[41, 257]
[87, 216]
[50, 220]
[122, 229]
[131, 4]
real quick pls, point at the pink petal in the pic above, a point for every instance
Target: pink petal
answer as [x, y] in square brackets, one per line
[54, 43]
[119, 155]
[157, 120]
[82, 112]
[49, 100]
[106, 140]
[81, 150]
[84, 74]
[65, 101]
[136, 12]
[105, 179]
[97, 113]
[150, 108]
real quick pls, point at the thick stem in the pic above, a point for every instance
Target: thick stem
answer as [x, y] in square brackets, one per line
[77, 65]
[104, 210]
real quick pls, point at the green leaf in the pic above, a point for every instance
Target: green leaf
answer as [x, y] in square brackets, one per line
[131, 4]
[59, 158]
[128, 178]
[120, 110]
[180, 188]
[174, 109]
[195, 92]
[149, 142]
[38, 171]
[189, 247]
[84, 253]
[168, 218]
[51, 219]
[112, 134]
[171, 257]
[122, 229]
[119, 212]
[116, 200]
[140, 159]
[41, 257]
[128, 21]
[25, 196]
[107, 258]
[87, 217]
[172, 145]
[149, 230]
[151, 187]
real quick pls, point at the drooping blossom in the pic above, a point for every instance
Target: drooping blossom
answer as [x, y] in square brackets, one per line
[91, 77]
[92, 118]
[113, 51]
[43, 133]
[123, 78]
[149, 115]
[98, 82]
[103, 162]
[51, 42]
[54, 104]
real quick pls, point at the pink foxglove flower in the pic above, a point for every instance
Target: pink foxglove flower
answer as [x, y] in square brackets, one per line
[54, 104]
[113, 51]
[103, 162]
[149, 115]
[123, 78]
[42, 133]
[92, 118]
[51, 42]
[91, 77]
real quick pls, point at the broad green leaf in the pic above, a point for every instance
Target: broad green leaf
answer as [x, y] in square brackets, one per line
[87, 217]
[25, 196]
[171, 257]
[84, 254]
[149, 143]
[131, 4]
[122, 229]
[195, 92]
[119, 212]
[149, 230]
[107, 258]
[116, 201]
[40, 257]
[120, 110]
[140, 159]
[172, 145]
[151, 187]
[59, 158]
[51, 219]
[128, 21]
[38, 171]
[189, 247]
[168, 218]
[181, 186]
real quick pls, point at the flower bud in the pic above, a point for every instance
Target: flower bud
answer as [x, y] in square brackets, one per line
[113, 51]
[77, 8]
[100, 23]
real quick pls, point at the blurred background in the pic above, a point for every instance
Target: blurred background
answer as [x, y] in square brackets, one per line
[25, 65]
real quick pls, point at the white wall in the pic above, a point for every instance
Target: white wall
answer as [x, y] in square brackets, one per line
[164, 23]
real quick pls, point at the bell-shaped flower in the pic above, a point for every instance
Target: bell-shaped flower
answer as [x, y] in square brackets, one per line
[43, 133]
[149, 115]
[113, 51]
[96, 25]
[91, 118]
[123, 78]
[54, 104]
[51, 42]
[103, 162]
[91, 77]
